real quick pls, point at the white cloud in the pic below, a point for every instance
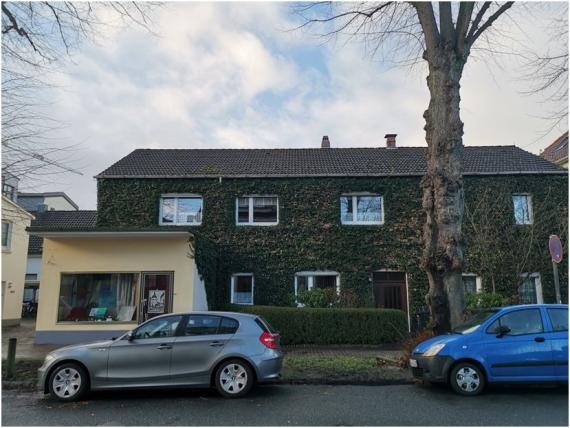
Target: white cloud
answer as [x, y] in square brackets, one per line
[227, 75]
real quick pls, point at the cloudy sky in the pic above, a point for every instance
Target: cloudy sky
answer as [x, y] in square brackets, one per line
[231, 76]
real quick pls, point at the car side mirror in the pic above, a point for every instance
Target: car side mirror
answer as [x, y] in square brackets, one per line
[502, 330]
[130, 336]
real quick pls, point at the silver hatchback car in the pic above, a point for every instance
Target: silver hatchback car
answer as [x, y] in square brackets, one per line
[226, 350]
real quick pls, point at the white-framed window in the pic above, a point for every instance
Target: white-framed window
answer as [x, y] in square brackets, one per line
[181, 209]
[9, 191]
[530, 290]
[262, 210]
[522, 205]
[6, 235]
[317, 279]
[471, 283]
[242, 288]
[361, 208]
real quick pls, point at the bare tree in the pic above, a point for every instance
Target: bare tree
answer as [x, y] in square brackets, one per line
[446, 36]
[547, 72]
[36, 38]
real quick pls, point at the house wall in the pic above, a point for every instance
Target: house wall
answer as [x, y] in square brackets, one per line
[58, 203]
[14, 262]
[310, 237]
[67, 255]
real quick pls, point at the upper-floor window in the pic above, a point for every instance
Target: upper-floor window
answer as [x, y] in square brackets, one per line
[8, 191]
[522, 205]
[181, 210]
[257, 210]
[361, 209]
[6, 235]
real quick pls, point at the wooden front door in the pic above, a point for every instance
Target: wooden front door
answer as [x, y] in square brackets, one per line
[390, 290]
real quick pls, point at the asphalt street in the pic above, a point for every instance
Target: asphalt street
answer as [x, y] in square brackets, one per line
[296, 405]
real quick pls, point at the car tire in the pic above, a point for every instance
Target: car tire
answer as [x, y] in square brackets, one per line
[68, 382]
[467, 379]
[234, 378]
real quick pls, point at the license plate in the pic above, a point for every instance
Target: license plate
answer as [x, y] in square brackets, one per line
[413, 363]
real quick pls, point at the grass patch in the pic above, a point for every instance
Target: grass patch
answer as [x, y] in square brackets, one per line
[339, 369]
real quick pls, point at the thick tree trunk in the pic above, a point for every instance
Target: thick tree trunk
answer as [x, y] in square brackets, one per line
[442, 186]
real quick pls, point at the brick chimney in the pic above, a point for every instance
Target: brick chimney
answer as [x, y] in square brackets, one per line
[325, 144]
[390, 141]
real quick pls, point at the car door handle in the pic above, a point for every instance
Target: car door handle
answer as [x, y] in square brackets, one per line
[539, 339]
[164, 346]
[216, 343]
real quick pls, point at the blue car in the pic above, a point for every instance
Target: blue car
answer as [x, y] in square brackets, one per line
[526, 343]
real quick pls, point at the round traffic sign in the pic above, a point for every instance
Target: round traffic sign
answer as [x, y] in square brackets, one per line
[555, 248]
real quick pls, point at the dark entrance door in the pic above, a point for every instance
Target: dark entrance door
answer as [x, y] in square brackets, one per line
[156, 294]
[390, 290]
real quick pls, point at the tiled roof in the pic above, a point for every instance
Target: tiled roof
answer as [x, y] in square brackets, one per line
[58, 220]
[557, 151]
[35, 245]
[194, 163]
[68, 220]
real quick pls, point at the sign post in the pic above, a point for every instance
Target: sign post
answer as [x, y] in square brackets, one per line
[555, 248]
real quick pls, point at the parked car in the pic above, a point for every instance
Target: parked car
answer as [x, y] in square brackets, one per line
[226, 350]
[526, 343]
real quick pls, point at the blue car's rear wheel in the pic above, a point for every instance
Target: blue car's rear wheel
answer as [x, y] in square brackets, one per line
[467, 379]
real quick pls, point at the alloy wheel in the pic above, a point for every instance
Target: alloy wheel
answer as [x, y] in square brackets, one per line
[66, 382]
[468, 379]
[233, 378]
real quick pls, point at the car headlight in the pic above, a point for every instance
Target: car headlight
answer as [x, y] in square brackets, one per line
[434, 350]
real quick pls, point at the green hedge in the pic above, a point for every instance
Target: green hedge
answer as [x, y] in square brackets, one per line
[333, 326]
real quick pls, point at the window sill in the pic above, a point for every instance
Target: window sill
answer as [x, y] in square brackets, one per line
[95, 322]
[362, 223]
[179, 224]
[257, 224]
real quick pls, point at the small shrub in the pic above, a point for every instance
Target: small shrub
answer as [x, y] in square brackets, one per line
[324, 326]
[347, 299]
[485, 300]
[315, 298]
[409, 345]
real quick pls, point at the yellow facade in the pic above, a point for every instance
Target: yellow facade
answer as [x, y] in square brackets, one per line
[110, 254]
[14, 256]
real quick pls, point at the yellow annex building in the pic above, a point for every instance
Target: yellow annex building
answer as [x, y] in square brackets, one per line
[15, 220]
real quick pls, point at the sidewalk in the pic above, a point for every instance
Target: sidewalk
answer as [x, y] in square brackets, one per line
[26, 348]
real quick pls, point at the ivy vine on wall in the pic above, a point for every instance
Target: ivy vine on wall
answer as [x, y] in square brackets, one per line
[310, 237]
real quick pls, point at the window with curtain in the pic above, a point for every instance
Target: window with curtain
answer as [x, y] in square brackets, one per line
[257, 210]
[522, 205]
[98, 297]
[361, 209]
[181, 210]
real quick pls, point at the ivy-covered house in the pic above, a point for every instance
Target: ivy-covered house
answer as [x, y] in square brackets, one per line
[205, 228]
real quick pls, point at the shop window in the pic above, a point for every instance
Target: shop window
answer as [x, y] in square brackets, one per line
[98, 297]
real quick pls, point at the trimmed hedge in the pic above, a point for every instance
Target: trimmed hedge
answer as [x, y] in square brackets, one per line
[363, 326]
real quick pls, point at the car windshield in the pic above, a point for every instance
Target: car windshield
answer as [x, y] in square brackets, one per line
[474, 322]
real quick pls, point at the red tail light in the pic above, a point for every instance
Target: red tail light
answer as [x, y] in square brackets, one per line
[269, 340]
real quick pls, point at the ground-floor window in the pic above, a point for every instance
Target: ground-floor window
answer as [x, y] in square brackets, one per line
[471, 283]
[104, 297]
[321, 279]
[242, 288]
[530, 290]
